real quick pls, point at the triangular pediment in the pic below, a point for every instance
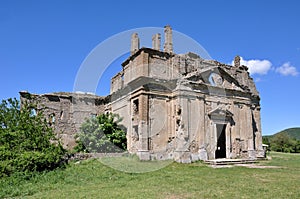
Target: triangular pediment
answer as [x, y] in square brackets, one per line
[220, 112]
[217, 77]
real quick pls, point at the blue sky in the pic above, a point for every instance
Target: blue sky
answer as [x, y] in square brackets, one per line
[43, 43]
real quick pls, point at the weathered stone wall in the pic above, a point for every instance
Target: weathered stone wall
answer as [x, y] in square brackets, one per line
[65, 112]
[116, 82]
[136, 67]
[158, 119]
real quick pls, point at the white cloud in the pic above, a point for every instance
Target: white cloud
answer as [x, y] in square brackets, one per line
[257, 66]
[262, 67]
[287, 69]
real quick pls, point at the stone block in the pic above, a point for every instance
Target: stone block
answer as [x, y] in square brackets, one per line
[143, 155]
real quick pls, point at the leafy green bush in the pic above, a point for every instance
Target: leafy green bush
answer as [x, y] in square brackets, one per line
[27, 143]
[101, 134]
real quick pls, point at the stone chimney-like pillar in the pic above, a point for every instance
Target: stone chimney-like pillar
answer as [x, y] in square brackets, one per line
[156, 41]
[135, 43]
[168, 46]
[237, 61]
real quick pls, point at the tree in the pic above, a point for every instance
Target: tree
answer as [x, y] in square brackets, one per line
[27, 143]
[101, 134]
[281, 142]
[295, 146]
[266, 140]
[298, 147]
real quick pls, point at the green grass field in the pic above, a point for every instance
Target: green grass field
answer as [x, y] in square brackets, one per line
[92, 179]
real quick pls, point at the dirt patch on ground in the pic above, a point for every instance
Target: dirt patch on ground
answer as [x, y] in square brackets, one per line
[220, 166]
[257, 166]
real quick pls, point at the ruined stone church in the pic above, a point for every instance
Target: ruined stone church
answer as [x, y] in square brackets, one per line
[174, 106]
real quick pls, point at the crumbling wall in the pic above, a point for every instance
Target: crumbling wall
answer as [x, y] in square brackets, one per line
[65, 112]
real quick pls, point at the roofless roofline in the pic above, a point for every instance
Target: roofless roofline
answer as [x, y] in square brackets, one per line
[147, 50]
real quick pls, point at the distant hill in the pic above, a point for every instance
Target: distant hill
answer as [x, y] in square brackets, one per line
[291, 132]
[283, 141]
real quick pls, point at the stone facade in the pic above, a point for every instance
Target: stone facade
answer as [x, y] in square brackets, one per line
[174, 106]
[185, 108]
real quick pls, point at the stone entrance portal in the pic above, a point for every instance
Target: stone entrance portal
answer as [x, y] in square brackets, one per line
[221, 141]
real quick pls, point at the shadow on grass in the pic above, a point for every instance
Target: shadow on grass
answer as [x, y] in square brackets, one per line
[132, 164]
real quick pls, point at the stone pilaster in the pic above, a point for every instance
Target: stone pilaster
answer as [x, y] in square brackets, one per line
[143, 150]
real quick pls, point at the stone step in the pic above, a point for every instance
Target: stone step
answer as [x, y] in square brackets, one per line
[230, 161]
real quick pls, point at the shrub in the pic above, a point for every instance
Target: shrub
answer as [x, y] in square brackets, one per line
[101, 134]
[27, 143]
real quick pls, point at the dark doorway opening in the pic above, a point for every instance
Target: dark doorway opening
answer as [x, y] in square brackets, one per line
[221, 143]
